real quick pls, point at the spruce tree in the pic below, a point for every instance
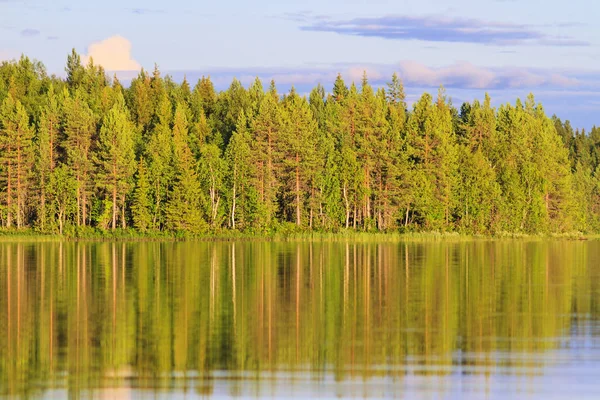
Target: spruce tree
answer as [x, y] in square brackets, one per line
[183, 211]
[141, 205]
[159, 153]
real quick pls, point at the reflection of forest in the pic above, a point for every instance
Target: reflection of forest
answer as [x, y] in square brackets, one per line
[87, 315]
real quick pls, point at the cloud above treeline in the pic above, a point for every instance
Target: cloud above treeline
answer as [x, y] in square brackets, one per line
[146, 11]
[557, 89]
[437, 29]
[114, 54]
[458, 75]
[29, 32]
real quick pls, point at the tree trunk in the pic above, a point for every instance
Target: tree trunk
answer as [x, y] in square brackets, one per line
[43, 202]
[123, 219]
[114, 216]
[233, 202]
[367, 211]
[156, 205]
[9, 197]
[78, 200]
[84, 208]
[60, 222]
[19, 189]
[298, 216]
[347, 205]
[262, 181]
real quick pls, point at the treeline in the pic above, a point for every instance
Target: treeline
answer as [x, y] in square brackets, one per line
[87, 153]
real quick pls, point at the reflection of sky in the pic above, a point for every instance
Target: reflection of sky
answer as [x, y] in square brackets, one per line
[471, 45]
[571, 372]
[562, 374]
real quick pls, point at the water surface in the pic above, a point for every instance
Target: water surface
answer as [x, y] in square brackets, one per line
[480, 319]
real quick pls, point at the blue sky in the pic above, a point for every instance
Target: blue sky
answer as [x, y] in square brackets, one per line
[506, 47]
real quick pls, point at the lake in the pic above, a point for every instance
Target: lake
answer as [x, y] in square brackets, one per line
[457, 320]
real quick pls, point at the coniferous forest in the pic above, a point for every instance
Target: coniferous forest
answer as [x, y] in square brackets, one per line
[87, 154]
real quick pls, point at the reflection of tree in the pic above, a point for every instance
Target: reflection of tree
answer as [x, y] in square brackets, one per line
[173, 314]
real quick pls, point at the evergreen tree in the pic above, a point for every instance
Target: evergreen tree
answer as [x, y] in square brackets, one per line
[184, 205]
[159, 152]
[212, 170]
[266, 129]
[47, 151]
[141, 206]
[299, 161]
[249, 160]
[16, 159]
[79, 127]
[238, 156]
[116, 158]
[75, 71]
[62, 195]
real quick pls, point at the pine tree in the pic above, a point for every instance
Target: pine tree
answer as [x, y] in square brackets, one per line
[16, 158]
[79, 126]
[116, 158]
[266, 130]
[246, 159]
[47, 151]
[299, 145]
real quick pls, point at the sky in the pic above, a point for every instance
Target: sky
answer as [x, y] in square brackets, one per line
[507, 48]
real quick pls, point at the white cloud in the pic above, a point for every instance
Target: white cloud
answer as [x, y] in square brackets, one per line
[465, 74]
[356, 73]
[114, 54]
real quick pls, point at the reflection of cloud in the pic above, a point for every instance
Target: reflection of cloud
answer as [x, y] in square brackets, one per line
[439, 29]
[114, 54]
[30, 32]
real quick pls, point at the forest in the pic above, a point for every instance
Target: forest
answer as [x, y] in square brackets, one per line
[85, 153]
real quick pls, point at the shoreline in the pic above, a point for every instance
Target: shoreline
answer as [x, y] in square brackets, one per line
[226, 236]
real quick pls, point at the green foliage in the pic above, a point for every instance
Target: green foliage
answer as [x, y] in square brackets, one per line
[86, 154]
[16, 159]
[141, 207]
[116, 158]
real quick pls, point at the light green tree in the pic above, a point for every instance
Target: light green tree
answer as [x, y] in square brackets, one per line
[116, 158]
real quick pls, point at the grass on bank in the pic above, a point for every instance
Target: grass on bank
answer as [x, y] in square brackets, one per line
[284, 232]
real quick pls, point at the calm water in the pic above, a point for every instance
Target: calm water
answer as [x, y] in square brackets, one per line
[482, 319]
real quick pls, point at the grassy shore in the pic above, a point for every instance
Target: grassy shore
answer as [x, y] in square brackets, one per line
[90, 234]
